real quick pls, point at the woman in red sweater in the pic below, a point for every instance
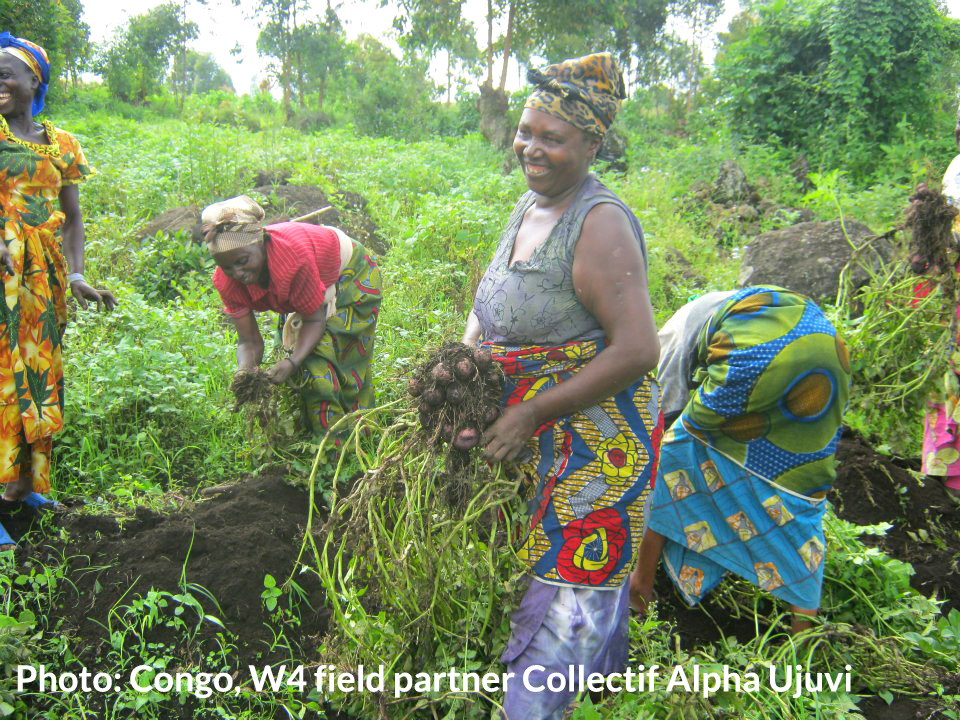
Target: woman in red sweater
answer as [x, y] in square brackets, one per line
[326, 284]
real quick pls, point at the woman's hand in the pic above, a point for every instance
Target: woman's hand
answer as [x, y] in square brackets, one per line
[84, 293]
[282, 371]
[6, 261]
[506, 437]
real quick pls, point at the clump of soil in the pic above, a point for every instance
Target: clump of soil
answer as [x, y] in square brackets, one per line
[876, 708]
[184, 219]
[459, 391]
[930, 219]
[226, 544]
[871, 488]
[253, 388]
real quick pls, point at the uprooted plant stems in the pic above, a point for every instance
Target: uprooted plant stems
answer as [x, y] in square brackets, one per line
[252, 387]
[408, 576]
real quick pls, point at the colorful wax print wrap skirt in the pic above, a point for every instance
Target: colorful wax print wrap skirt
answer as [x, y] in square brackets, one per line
[592, 469]
[745, 468]
[33, 315]
[336, 377]
[941, 428]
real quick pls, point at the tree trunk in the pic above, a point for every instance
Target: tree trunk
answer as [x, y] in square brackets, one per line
[298, 59]
[506, 48]
[489, 43]
[693, 59]
[183, 56]
[494, 123]
[449, 79]
[300, 82]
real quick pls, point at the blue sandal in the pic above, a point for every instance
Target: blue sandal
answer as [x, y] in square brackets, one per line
[38, 502]
[5, 538]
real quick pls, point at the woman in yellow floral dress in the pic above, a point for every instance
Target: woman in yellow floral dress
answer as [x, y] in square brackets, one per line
[39, 164]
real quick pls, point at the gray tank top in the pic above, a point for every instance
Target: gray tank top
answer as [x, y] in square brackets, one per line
[533, 302]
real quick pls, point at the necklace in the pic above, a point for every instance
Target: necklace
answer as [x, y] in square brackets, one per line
[51, 150]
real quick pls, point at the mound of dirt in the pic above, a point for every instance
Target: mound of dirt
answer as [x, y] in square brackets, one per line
[808, 257]
[871, 488]
[286, 202]
[349, 211]
[226, 544]
[178, 219]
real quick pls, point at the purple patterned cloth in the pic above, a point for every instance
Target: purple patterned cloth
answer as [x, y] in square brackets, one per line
[559, 628]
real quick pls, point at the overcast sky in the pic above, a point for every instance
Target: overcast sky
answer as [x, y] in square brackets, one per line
[224, 26]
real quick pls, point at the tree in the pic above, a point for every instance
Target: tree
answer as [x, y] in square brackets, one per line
[834, 78]
[55, 25]
[701, 16]
[304, 52]
[321, 55]
[178, 80]
[432, 26]
[381, 94]
[545, 28]
[199, 74]
[282, 38]
[135, 63]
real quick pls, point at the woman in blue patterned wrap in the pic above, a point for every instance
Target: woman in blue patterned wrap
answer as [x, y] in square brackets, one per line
[749, 457]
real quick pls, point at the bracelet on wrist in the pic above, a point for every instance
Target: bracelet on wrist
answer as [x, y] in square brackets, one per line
[75, 277]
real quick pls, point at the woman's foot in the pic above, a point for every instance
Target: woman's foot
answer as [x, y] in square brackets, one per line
[6, 542]
[19, 489]
[39, 503]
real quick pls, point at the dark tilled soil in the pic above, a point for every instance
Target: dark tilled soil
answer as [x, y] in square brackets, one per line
[709, 621]
[872, 488]
[875, 708]
[225, 544]
[349, 211]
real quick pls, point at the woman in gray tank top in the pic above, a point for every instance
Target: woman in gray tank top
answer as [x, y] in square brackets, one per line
[564, 308]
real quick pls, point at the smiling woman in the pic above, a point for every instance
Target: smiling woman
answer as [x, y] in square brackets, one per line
[324, 280]
[39, 164]
[564, 308]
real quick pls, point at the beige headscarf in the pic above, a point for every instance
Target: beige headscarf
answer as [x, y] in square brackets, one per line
[231, 224]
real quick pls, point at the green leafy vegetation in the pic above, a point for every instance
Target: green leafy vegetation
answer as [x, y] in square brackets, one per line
[827, 107]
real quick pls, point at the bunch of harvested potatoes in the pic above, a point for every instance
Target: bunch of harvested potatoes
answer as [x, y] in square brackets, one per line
[459, 391]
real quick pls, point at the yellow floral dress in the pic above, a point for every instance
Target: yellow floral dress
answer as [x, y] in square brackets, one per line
[34, 314]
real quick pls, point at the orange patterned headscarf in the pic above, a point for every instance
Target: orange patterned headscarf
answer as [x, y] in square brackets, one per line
[586, 91]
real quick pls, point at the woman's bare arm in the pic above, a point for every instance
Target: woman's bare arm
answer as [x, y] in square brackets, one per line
[249, 342]
[471, 333]
[74, 239]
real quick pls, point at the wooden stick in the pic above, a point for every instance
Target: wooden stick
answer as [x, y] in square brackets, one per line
[310, 216]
